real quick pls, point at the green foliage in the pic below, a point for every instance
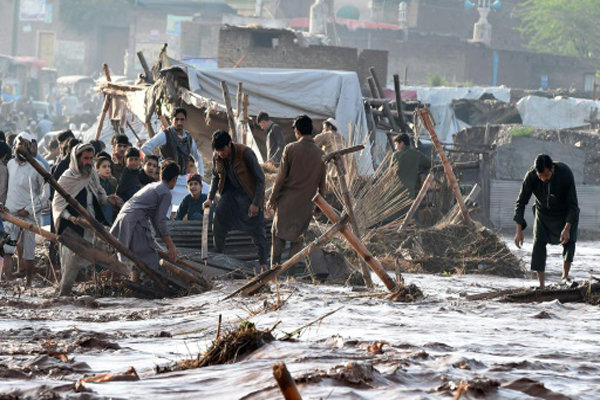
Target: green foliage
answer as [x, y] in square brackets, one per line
[437, 80]
[522, 131]
[565, 27]
[84, 15]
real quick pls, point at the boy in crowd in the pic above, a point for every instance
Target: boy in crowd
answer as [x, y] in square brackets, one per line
[129, 183]
[191, 206]
[149, 172]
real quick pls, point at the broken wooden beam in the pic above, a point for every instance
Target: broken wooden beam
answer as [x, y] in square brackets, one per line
[417, 202]
[106, 103]
[399, 106]
[96, 226]
[271, 274]
[286, 382]
[229, 110]
[356, 243]
[336, 157]
[424, 114]
[147, 73]
[378, 87]
[74, 242]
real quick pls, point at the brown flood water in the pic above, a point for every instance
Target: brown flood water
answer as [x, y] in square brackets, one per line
[431, 345]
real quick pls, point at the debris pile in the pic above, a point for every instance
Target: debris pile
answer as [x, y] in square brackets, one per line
[226, 349]
[444, 249]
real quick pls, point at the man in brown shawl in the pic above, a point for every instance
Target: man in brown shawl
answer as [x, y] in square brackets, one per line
[81, 181]
[301, 174]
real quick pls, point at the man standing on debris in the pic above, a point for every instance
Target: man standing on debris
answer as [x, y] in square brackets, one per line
[176, 143]
[25, 200]
[146, 209]
[301, 174]
[275, 140]
[81, 182]
[408, 163]
[556, 213]
[240, 180]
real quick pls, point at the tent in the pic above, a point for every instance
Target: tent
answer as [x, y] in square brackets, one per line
[287, 93]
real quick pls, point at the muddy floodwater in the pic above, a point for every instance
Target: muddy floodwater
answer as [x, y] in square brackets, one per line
[429, 346]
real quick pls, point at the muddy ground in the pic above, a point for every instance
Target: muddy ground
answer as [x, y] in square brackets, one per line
[369, 349]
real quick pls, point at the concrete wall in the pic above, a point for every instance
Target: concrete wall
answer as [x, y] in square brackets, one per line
[511, 161]
[503, 195]
[239, 46]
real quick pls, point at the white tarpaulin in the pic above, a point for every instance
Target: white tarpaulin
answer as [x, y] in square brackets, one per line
[285, 93]
[440, 100]
[556, 113]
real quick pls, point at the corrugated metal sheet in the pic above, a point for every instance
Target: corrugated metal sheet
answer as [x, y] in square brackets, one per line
[504, 193]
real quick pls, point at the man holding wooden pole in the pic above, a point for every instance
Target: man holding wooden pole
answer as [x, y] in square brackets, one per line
[80, 181]
[148, 207]
[25, 199]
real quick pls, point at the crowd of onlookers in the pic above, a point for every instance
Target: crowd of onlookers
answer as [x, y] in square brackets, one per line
[123, 169]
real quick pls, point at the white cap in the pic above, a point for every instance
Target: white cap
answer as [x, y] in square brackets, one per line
[72, 127]
[333, 122]
[26, 136]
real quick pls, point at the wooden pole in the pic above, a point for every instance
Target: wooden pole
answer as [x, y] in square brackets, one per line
[380, 92]
[96, 226]
[147, 73]
[399, 105]
[271, 274]
[484, 174]
[230, 118]
[75, 243]
[341, 170]
[205, 222]
[106, 104]
[238, 110]
[372, 87]
[470, 199]
[133, 131]
[424, 113]
[415, 205]
[406, 75]
[286, 382]
[355, 242]
[245, 107]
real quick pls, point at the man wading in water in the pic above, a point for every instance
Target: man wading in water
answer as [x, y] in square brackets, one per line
[556, 213]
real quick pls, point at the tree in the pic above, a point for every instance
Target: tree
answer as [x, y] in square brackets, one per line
[565, 27]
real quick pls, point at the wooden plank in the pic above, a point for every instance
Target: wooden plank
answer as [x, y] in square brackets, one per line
[424, 113]
[230, 116]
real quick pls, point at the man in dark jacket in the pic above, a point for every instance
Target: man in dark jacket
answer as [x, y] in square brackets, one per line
[275, 140]
[240, 181]
[556, 212]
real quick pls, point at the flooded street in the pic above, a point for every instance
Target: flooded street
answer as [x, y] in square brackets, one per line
[430, 346]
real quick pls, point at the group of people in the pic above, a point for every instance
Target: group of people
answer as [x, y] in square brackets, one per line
[130, 192]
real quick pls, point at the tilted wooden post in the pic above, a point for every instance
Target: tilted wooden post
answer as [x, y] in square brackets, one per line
[355, 242]
[95, 225]
[286, 382]
[271, 274]
[415, 205]
[75, 243]
[424, 113]
[336, 157]
[106, 104]
[230, 118]
[238, 110]
[245, 110]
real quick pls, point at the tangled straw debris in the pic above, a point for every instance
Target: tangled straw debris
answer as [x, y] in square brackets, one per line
[226, 349]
